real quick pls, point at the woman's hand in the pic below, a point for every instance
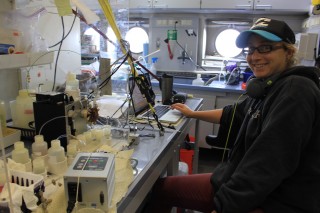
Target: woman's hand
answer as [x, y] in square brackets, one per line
[184, 109]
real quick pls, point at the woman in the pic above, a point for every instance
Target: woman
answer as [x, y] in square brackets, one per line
[274, 163]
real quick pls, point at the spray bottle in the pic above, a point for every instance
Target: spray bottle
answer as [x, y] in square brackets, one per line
[153, 66]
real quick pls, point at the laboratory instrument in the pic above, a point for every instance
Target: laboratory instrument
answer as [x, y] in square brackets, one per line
[92, 176]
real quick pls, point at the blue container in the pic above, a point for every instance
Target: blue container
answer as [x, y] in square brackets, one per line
[246, 76]
[6, 49]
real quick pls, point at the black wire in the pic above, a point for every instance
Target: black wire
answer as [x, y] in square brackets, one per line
[106, 81]
[120, 108]
[58, 54]
[74, 19]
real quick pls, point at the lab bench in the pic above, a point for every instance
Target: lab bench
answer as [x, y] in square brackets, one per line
[156, 156]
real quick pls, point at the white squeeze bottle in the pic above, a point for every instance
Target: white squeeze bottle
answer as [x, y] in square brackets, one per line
[72, 149]
[39, 147]
[57, 162]
[56, 152]
[198, 81]
[72, 86]
[20, 154]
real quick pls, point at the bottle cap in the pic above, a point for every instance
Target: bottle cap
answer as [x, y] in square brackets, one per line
[18, 145]
[38, 138]
[71, 76]
[55, 143]
[154, 60]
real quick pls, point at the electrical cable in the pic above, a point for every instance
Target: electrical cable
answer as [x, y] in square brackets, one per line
[72, 25]
[58, 54]
[119, 108]
[229, 131]
[125, 48]
[58, 117]
[106, 81]
[81, 17]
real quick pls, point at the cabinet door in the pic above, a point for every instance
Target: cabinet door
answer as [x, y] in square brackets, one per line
[135, 4]
[160, 3]
[195, 4]
[293, 5]
[227, 4]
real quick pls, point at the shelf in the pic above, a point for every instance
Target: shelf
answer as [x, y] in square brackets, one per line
[25, 60]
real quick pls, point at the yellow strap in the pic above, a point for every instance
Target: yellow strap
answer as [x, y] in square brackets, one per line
[107, 10]
[110, 17]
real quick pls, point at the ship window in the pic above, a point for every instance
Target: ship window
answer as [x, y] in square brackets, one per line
[226, 45]
[136, 37]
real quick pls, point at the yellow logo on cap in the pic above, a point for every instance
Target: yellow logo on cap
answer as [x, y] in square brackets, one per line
[261, 22]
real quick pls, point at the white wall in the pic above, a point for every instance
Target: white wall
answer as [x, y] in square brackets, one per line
[159, 26]
[48, 26]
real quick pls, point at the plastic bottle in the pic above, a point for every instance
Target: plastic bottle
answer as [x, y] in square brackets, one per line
[38, 166]
[75, 146]
[57, 163]
[23, 109]
[82, 141]
[198, 81]
[153, 66]
[39, 147]
[20, 154]
[72, 149]
[56, 151]
[72, 86]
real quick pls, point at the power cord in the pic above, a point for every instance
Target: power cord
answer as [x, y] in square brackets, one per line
[230, 127]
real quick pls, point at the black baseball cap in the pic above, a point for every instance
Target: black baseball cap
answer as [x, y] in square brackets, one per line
[270, 29]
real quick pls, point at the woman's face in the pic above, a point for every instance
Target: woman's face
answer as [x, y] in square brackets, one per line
[272, 58]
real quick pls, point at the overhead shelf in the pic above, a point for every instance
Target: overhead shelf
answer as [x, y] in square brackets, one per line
[25, 60]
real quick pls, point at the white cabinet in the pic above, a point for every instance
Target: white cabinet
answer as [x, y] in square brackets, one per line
[227, 4]
[136, 4]
[154, 4]
[293, 5]
[184, 4]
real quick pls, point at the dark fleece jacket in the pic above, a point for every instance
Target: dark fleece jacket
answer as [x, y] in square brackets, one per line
[274, 163]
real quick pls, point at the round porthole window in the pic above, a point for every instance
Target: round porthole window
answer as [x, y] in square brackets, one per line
[226, 43]
[136, 37]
